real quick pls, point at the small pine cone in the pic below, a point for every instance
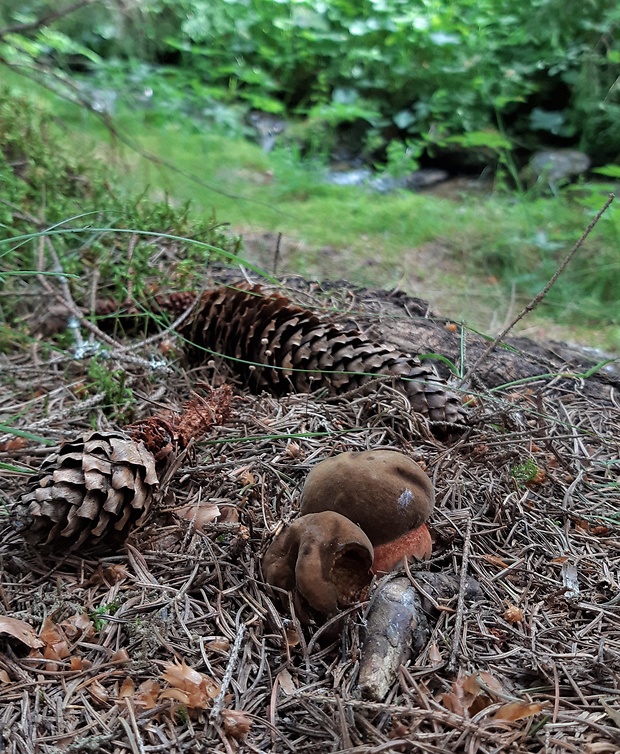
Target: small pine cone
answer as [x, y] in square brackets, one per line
[94, 489]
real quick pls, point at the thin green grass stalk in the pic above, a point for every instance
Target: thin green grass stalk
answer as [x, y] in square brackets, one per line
[37, 273]
[553, 375]
[439, 357]
[16, 469]
[235, 258]
[290, 436]
[26, 435]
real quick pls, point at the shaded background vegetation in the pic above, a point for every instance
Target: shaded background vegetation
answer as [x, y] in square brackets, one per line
[431, 71]
[476, 87]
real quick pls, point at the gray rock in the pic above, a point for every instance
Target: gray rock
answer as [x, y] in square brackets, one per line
[357, 177]
[425, 178]
[555, 165]
[268, 128]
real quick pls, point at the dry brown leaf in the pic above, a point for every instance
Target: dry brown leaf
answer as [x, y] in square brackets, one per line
[398, 730]
[222, 644]
[229, 514]
[199, 688]
[16, 443]
[472, 684]
[494, 560]
[56, 643]
[517, 711]
[78, 626]
[472, 693]
[540, 477]
[199, 515]
[451, 701]
[98, 692]
[4, 677]
[434, 655]
[286, 682]
[471, 401]
[109, 575]
[147, 694]
[120, 656]
[597, 530]
[293, 449]
[21, 631]
[236, 723]
[116, 572]
[76, 663]
[247, 479]
[292, 637]
[128, 688]
[179, 696]
[513, 614]
[244, 475]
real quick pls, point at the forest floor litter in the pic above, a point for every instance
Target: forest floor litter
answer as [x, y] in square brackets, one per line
[175, 643]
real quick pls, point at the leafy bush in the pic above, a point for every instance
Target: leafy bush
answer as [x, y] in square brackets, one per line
[131, 240]
[430, 71]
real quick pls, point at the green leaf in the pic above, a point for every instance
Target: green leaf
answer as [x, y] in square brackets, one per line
[611, 171]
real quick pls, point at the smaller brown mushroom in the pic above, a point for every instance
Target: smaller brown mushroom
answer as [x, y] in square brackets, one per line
[324, 560]
[383, 491]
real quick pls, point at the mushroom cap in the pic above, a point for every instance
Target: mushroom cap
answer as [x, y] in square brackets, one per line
[383, 491]
[324, 559]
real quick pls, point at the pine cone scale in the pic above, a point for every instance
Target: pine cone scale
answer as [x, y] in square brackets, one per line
[96, 480]
[114, 501]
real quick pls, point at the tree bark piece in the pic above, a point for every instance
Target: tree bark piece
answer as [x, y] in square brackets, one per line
[396, 626]
[399, 625]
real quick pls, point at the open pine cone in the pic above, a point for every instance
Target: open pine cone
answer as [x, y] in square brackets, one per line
[95, 488]
[99, 486]
[281, 347]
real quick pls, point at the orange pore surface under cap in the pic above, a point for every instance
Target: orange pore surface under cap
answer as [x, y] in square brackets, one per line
[416, 543]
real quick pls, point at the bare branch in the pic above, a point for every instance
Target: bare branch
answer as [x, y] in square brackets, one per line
[541, 294]
[45, 20]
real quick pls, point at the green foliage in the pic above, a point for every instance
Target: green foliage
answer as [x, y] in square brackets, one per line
[427, 71]
[431, 70]
[402, 158]
[345, 232]
[522, 243]
[119, 399]
[34, 171]
[99, 614]
[46, 181]
[525, 472]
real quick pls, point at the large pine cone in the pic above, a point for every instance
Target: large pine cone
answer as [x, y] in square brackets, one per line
[281, 347]
[95, 488]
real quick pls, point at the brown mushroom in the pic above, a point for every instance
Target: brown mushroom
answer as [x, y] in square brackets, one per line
[386, 493]
[324, 560]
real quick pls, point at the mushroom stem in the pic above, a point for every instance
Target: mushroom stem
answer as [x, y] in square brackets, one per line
[415, 543]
